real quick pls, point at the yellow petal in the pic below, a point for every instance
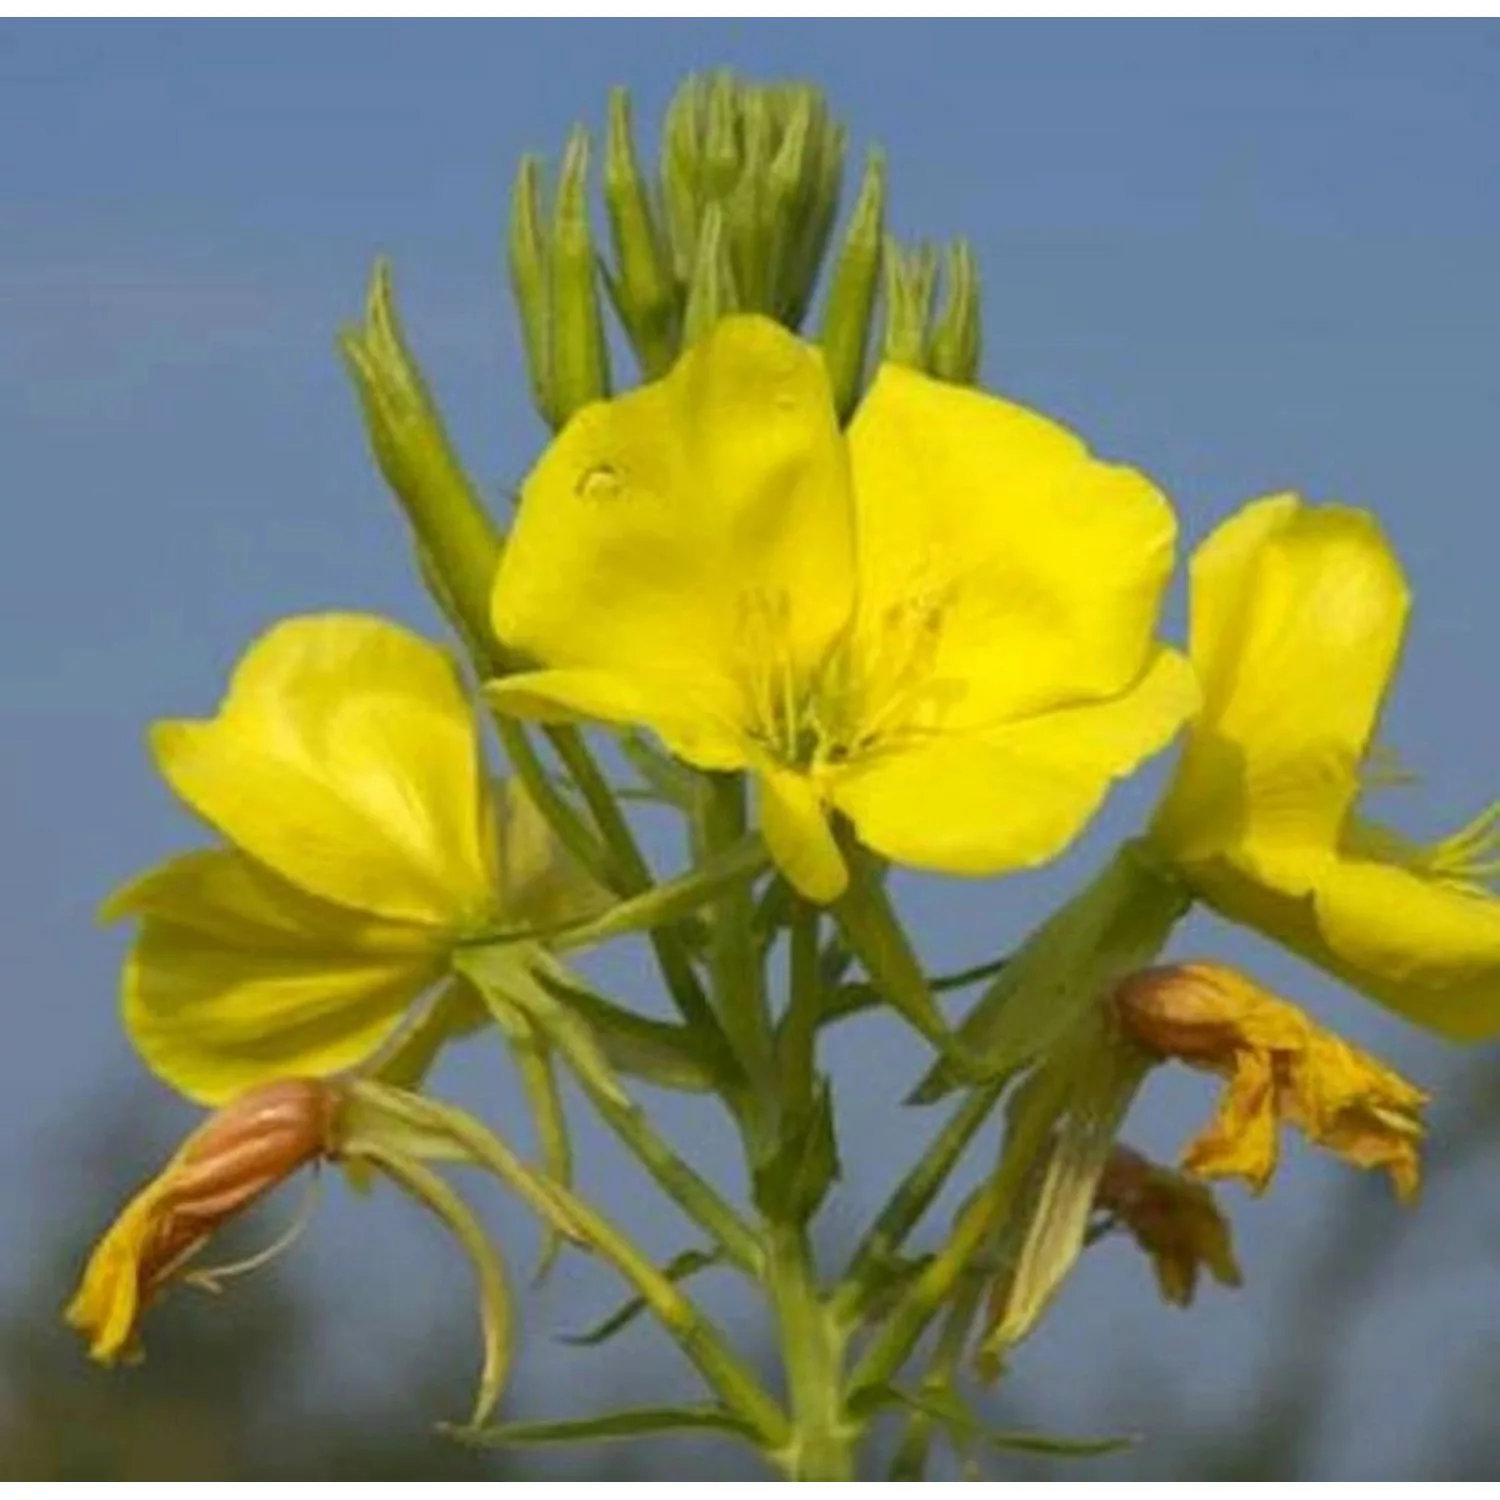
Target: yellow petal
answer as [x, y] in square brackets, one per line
[691, 727]
[236, 979]
[659, 526]
[345, 757]
[1428, 949]
[1298, 614]
[796, 830]
[979, 805]
[542, 884]
[1046, 565]
[106, 1305]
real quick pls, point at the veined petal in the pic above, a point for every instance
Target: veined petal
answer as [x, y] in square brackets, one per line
[666, 532]
[1043, 565]
[1427, 948]
[692, 727]
[345, 756]
[982, 804]
[1298, 614]
[236, 979]
[795, 825]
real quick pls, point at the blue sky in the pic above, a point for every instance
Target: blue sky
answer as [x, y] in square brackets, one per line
[1242, 256]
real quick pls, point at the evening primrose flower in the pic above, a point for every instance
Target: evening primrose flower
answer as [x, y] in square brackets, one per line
[364, 839]
[1298, 614]
[940, 624]
[235, 1158]
[1174, 1220]
[1281, 1068]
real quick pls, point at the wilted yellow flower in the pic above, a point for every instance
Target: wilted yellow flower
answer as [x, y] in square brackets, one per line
[1173, 1219]
[236, 1157]
[1281, 1068]
[1298, 614]
[941, 625]
[364, 838]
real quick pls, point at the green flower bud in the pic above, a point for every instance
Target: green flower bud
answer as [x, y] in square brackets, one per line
[954, 348]
[557, 297]
[910, 281]
[711, 292]
[580, 352]
[528, 279]
[851, 297]
[643, 289]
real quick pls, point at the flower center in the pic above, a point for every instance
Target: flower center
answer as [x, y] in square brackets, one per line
[874, 688]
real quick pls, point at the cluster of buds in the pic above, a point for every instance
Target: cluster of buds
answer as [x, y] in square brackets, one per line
[739, 217]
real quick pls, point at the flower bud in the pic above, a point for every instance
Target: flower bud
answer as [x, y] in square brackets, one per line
[711, 292]
[910, 281]
[552, 273]
[954, 345]
[643, 288]
[580, 353]
[845, 334]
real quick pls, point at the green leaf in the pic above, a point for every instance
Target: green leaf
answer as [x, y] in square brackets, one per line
[637, 1422]
[947, 1408]
[669, 901]
[657, 1051]
[793, 1184]
[679, 1268]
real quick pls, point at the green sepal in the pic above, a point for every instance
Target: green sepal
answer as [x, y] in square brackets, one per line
[845, 333]
[646, 1421]
[679, 1268]
[378, 1119]
[496, 1318]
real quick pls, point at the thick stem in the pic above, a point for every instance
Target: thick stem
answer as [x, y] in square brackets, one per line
[823, 1437]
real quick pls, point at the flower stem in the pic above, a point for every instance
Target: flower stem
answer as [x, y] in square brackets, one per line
[823, 1437]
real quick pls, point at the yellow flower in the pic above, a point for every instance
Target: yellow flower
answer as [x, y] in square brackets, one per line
[1280, 1067]
[1173, 1219]
[1298, 614]
[236, 1157]
[364, 838]
[940, 624]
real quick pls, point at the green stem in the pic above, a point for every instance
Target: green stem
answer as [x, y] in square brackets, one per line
[889, 1349]
[518, 984]
[910, 1461]
[739, 990]
[797, 1043]
[912, 1198]
[822, 1440]
[632, 875]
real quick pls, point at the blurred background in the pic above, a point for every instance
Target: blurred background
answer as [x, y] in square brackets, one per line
[1244, 257]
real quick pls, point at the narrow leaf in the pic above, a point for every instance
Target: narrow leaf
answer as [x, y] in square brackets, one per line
[679, 1268]
[637, 1422]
